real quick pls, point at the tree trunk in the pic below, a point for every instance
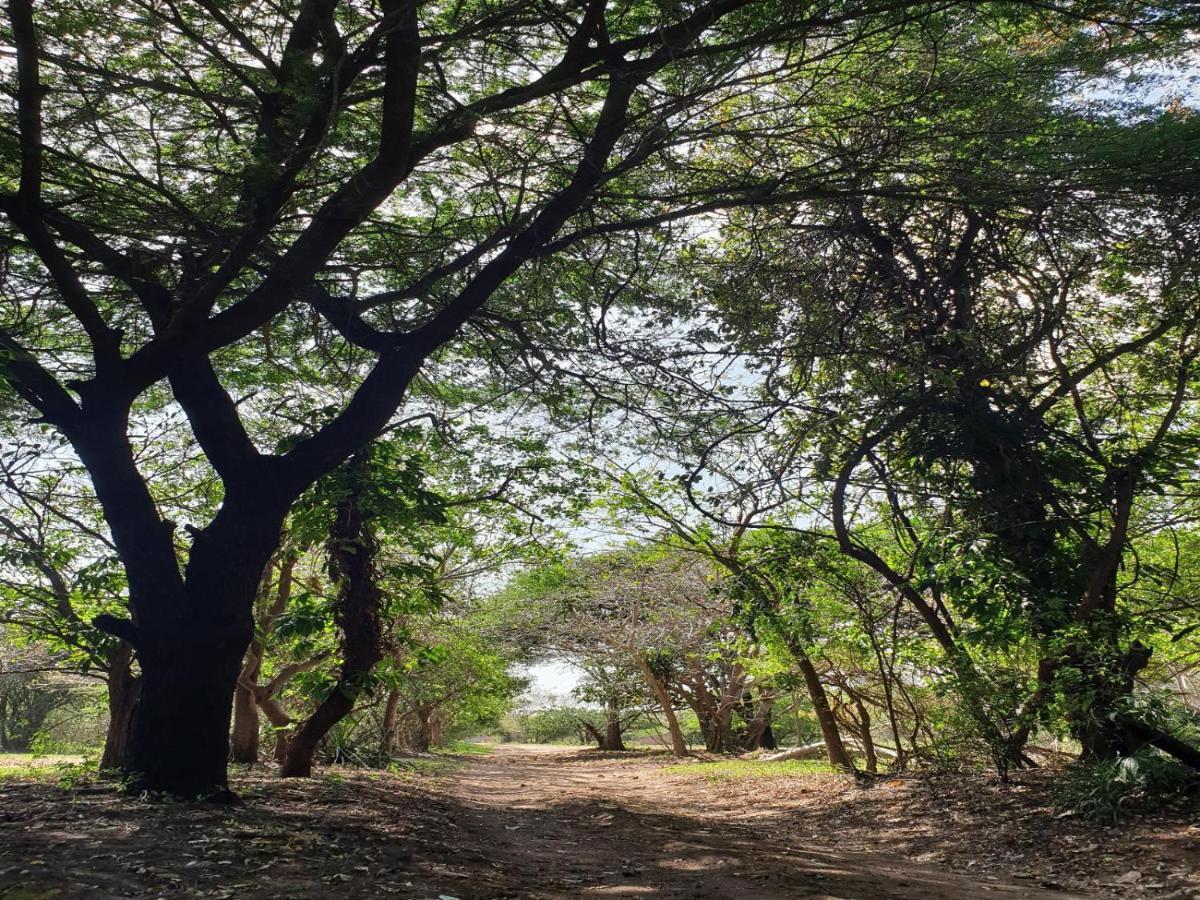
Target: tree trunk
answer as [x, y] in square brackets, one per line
[757, 716]
[437, 727]
[678, 744]
[124, 688]
[302, 748]
[391, 717]
[352, 549]
[612, 728]
[180, 737]
[838, 757]
[611, 738]
[280, 722]
[1097, 726]
[423, 735]
[865, 739]
[190, 635]
[244, 740]
[249, 694]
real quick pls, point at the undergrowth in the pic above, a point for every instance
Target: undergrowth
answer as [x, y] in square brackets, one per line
[1112, 790]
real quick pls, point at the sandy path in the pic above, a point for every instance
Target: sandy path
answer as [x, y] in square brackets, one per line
[551, 822]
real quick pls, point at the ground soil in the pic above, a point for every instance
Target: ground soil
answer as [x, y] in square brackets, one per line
[543, 822]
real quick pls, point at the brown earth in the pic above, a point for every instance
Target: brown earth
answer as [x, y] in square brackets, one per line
[544, 822]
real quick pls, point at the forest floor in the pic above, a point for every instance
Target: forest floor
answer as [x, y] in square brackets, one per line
[554, 822]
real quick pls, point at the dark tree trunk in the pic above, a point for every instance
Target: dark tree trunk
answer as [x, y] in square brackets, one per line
[190, 639]
[124, 689]
[352, 549]
[302, 748]
[1101, 732]
[180, 739]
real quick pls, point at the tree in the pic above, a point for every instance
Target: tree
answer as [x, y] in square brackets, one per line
[184, 182]
[1010, 396]
[763, 587]
[27, 699]
[186, 188]
[659, 613]
[907, 352]
[619, 690]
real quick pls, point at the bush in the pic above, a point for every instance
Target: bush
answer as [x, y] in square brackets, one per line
[26, 702]
[564, 723]
[1114, 788]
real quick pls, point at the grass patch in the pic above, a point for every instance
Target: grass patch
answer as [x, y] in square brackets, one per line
[37, 760]
[465, 748]
[65, 771]
[750, 768]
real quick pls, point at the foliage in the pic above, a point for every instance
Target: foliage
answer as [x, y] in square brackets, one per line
[1112, 790]
[27, 702]
[561, 724]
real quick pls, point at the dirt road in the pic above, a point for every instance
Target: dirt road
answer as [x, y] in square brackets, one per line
[538, 822]
[551, 822]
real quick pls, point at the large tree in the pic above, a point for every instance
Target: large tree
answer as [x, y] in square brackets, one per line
[246, 209]
[1007, 384]
[187, 184]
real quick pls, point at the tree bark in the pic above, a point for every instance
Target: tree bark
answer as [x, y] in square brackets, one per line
[391, 717]
[435, 728]
[758, 721]
[180, 736]
[352, 549]
[864, 735]
[835, 749]
[190, 641]
[678, 744]
[250, 695]
[280, 722]
[124, 688]
[244, 739]
[612, 727]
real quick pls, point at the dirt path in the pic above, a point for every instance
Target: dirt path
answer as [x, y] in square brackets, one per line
[538, 822]
[551, 822]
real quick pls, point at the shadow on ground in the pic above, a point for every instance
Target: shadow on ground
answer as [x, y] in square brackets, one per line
[515, 824]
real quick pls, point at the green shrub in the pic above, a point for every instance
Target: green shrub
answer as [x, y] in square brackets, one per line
[559, 724]
[1114, 788]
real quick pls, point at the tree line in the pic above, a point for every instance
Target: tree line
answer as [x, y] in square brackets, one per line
[899, 296]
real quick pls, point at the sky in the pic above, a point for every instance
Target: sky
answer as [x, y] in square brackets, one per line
[551, 679]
